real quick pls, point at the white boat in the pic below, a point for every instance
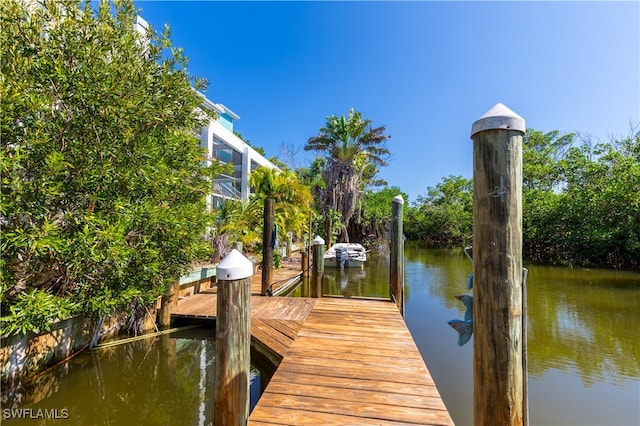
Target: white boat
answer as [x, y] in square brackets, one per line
[345, 255]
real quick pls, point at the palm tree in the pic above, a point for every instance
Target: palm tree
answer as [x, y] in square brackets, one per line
[352, 146]
[293, 200]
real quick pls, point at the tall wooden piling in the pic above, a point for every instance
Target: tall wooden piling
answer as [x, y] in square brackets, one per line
[233, 339]
[396, 270]
[305, 263]
[318, 267]
[498, 395]
[168, 304]
[267, 241]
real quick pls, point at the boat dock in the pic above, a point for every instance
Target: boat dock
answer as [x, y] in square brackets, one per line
[337, 361]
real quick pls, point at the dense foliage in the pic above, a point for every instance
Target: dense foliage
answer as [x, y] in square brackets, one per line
[372, 222]
[102, 178]
[581, 203]
[444, 217]
[243, 222]
[354, 150]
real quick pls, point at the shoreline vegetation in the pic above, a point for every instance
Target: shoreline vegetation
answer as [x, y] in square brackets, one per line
[581, 203]
[103, 184]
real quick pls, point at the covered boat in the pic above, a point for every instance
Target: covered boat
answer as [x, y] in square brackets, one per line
[345, 255]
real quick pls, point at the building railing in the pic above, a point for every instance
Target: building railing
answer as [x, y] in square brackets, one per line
[226, 190]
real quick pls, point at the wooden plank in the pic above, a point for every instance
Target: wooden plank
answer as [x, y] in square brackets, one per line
[261, 333]
[357, 383]
[341, 361]
[292, 417]
[361, 409]
[352, 362]
[355, 396]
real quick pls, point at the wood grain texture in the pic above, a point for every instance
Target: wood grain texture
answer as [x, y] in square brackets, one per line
[340, 361]
[497, 277]
[352, 362]
[233, 343]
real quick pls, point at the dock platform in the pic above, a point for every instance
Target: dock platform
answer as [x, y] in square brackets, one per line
[339, 361]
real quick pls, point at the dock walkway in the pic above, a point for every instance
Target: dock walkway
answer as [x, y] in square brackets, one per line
[340, 361]
[352, 362]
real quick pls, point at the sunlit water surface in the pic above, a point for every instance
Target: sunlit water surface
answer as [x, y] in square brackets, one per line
[583, 346]
[164, 380]
[583, 334]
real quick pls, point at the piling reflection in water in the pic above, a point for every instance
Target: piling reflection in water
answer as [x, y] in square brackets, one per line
[583, 334]
[163, 380]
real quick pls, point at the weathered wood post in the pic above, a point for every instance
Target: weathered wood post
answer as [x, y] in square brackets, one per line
[396, 270]
[267, 245]
[498, 394]
[168, 304]
[330, 228]
[318, 267]
[305, 263]
[289, 243]
[233, 339]
[237, 245]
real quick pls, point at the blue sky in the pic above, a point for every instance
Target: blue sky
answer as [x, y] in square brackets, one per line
[425, 70]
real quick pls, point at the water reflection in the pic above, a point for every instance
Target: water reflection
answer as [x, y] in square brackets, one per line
[586, 321]
[163, 380]
[583, 334]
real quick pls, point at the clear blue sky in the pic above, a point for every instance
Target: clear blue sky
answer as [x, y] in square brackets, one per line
[425, 70]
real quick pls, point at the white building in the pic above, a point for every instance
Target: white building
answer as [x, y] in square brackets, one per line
[223, 145]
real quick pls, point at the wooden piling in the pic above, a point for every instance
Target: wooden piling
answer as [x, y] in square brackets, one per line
[396, 270]
[497, 268]
[168, 304]
[304, 264]
[233, 340]
[318, 267]
[267, 241]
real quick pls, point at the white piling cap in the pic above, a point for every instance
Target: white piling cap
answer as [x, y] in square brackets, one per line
[498, 117]
[234, 267]
[318, 241]
[398, 199]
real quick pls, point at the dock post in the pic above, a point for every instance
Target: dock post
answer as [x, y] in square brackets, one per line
[318, 267]
[233, 340]
[267, 248]
[168, 304]
[396, 270]
[304, 267]
[498, 390]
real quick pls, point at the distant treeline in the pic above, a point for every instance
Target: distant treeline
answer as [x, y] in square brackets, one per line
[581, 203]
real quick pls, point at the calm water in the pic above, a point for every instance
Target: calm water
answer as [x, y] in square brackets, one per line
[583, 343]
[584, 352]
[166, 380]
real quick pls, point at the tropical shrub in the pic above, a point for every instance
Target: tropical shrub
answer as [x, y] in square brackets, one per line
[102, 179]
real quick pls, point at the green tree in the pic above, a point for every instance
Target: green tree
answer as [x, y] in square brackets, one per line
[444, 217]
[238, 221]
[293, 200]
[541, 155]
[102, 179]
[376, 213]
[581, 202]
[350, 144]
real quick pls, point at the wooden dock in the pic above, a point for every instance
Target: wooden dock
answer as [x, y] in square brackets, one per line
[352, 362]
[340, 361]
